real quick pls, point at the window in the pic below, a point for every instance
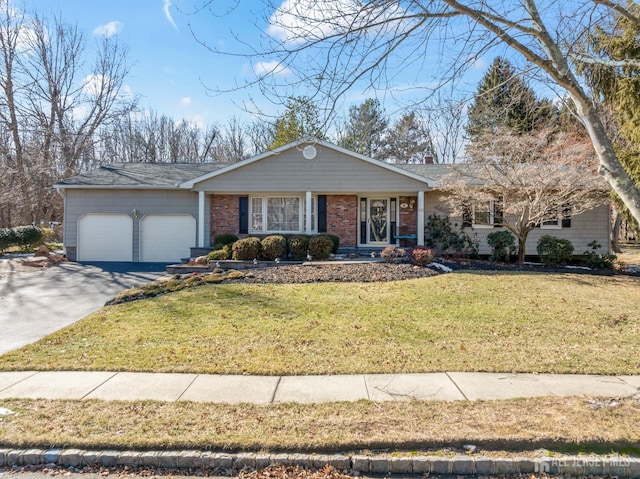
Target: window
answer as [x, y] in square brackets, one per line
[487, 214]
[561, 220]
[483, 214]
[281, 214]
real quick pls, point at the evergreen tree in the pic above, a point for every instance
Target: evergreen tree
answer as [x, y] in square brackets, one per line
[365, 129]
[408, 141]
[300, 120]
[505, 101]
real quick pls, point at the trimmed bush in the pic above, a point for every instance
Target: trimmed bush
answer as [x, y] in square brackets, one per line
[421, 256]
[335, 240]
[221, 254]
[591, 259]
[274, 246]
[298, 247]
[224, 239]
[554, 251]
[27, 236]
[320, 247]
[7, 238]
[247, 249]
[503, 245]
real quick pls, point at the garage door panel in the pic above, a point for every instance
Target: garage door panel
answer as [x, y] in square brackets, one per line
[105, 237]
[166, 238]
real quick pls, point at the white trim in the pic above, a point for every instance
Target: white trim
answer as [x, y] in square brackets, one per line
[200, 242]
[308, 209]
[420, 235]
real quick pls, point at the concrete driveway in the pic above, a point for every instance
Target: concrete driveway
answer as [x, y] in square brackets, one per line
[36, 302]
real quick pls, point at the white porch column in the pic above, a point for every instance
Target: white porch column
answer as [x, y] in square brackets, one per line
[420, 239]
[307, 199]
[200, 219]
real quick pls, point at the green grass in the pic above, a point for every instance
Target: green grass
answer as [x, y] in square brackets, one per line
[558, 424]
[457, 322]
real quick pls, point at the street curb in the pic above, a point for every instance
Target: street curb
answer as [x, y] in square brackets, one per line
[461, 465]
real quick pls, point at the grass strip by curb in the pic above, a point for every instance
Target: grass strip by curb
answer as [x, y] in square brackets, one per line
[562, 424]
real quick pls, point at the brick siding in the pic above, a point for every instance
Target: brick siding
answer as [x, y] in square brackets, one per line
[225, 215]
[408, 216]
[342, 218]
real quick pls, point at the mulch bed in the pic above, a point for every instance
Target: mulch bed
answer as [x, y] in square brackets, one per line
[342, 272]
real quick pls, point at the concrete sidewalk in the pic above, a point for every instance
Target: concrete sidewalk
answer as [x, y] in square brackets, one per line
[307, 389]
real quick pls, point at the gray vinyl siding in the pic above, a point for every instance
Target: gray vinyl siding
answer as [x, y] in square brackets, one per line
[79, 202]
[330, 171]
[585, 228]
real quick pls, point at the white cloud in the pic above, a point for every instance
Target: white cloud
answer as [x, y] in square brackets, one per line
[262, 69]
[299, 21]
[185, 101]
[109, 29]
[167, 14]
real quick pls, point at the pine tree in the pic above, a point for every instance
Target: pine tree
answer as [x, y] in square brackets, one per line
[504, 100]
[365, 129]
[299, 120]
[408, 141]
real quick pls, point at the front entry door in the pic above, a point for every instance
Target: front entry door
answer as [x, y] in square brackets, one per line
[378, 221]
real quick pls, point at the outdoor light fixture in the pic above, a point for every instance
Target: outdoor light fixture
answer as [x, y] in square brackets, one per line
[136, 213]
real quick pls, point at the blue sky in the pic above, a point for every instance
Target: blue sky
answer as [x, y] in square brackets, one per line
[169, 68]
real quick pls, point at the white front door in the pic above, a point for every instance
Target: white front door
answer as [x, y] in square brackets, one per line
[378, 221]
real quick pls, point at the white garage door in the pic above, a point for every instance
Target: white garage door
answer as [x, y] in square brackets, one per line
[166, 238]
[107, 237]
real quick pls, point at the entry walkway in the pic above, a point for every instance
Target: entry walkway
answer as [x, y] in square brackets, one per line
[449, 386]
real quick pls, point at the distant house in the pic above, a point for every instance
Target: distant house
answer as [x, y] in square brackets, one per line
[152, 212]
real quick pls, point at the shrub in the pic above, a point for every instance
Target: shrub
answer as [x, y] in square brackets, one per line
[320, 247]
[554, 251]
[439, 233]
[503, 245]
[247, 249]
[421, 256]
[28, 236]
[335, 240]
[221, 254]
[224, 239]
[391, 252]
[593, 260]
[298, 247]
[274, 246]
[7, 238]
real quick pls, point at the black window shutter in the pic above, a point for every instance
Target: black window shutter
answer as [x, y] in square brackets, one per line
[243, 208]
[566, 216]
[498, 211]
[467, 219]
[322, 213]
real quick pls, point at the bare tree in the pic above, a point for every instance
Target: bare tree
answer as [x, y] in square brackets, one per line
[526, 180]
[333, 46]
[52, 104]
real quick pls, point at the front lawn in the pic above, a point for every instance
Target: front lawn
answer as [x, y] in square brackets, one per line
[558, 424]
[562, 323]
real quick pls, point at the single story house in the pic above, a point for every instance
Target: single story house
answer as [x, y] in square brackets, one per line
[152, 212]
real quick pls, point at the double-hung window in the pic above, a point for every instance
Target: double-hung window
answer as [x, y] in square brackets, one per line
[486, 214]
[280, 214]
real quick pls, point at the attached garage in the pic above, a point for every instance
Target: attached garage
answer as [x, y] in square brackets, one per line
[166, 238]
[105, 237]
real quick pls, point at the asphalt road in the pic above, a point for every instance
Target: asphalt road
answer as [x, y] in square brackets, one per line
[36, 303]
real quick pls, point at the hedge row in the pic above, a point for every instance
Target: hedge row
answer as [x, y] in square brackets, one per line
[272, 247]
[22, 236]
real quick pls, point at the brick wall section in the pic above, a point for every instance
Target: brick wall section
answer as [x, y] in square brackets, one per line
[342, 218]
[224, 215]
[408, 217]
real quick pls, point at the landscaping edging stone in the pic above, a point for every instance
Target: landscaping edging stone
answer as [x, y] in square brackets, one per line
[460, 465]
